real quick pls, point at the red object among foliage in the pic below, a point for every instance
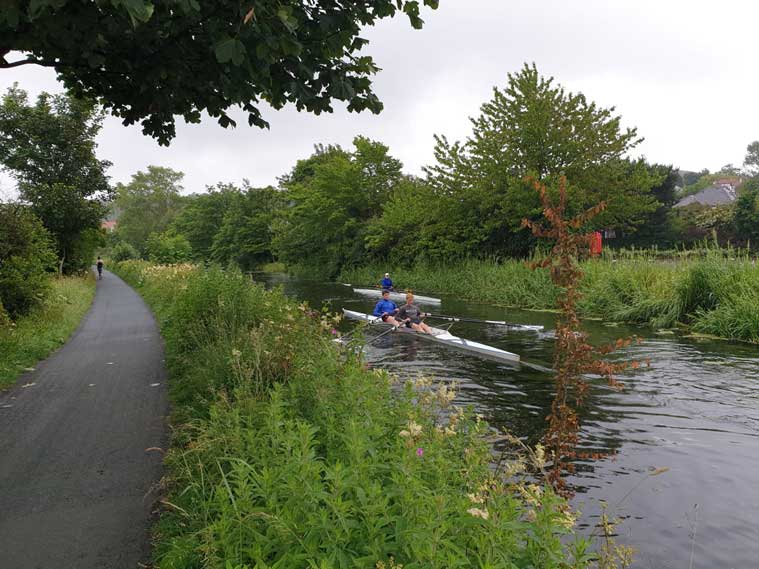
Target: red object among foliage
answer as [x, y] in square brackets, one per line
[596, 244]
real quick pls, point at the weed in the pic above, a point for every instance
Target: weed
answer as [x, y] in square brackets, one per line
[288, 452]
[32, 337]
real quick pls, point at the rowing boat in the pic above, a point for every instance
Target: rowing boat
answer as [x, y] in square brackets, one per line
[396, 295]
[441, 336]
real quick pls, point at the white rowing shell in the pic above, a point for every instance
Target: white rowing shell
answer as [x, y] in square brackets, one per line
[396, 295]
[442, 337]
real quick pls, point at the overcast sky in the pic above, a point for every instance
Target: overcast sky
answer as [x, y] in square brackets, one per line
[683, 72]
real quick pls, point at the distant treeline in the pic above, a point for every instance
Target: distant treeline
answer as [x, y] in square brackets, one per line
[343, 207]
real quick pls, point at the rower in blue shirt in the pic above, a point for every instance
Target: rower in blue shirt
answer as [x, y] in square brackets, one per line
[386, 283]
[386, 308]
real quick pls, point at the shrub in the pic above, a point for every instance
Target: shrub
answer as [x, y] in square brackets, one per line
[123, 251]
[26, 254]
[166, 248]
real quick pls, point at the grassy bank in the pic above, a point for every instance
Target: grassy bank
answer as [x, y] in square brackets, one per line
[288, 452]
[272, 268]
[33, 337]
[712, 295]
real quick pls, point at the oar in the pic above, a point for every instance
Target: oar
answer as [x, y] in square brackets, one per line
[536, 328]
[385, 333]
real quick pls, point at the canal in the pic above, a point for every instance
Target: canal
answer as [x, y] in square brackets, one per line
[693, 412]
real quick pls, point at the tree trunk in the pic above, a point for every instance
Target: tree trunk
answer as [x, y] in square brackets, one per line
[60, 263]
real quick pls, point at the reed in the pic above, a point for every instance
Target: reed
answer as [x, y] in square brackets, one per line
[713, 293]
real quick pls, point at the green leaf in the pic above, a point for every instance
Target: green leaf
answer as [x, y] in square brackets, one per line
[140, 11]
[230, 49]
[36, 7]
[95, 60]
[291, 47]
[285, 15]
[10, 13]
[262, 51]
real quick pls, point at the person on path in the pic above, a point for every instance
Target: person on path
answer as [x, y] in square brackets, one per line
[410, 314]
[100, 268]
[387, 283]
[386, 309]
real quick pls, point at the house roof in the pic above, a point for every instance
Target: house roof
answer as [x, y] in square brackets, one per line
[713, 195]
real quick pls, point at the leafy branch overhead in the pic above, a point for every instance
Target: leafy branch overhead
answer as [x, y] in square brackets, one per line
[150, 62]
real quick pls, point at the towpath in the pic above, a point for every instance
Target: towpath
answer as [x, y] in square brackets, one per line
[77, 476]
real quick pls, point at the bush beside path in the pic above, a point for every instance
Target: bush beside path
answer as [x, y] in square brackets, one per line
[46, 328]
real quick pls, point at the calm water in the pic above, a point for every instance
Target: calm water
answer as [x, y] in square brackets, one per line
[694, 411]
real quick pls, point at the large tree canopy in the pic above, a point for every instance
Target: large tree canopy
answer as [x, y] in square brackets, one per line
[331, 198]
[49, 148]
[533, 127]
[148, 204]
[747, 212]
[150, 60]
[751, 163]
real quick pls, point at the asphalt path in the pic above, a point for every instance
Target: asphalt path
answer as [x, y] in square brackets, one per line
[78, 470]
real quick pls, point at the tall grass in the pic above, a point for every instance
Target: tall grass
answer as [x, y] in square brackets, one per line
[715, 293]
[509, 283]
[31, 338]
[290, 453]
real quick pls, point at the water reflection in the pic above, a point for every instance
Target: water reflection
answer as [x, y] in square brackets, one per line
[695, 410]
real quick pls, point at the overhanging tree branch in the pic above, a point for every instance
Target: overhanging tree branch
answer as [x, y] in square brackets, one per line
[10, 64]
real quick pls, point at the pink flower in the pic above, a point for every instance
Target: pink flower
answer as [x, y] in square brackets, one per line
[334, 332]
[420, 451]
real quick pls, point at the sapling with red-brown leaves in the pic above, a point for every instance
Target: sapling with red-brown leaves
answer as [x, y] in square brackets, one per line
[574, 357]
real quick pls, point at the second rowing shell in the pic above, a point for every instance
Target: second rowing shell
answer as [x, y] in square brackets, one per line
[377, 293]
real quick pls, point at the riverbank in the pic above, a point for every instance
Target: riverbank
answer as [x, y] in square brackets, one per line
[714, 295]
[33, 337]
[289, 452]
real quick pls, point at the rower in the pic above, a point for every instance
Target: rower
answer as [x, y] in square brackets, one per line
[387, 283]
[410, 314]
[386, 309]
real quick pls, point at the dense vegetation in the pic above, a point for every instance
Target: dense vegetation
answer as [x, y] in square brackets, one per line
[715, 294]
[38, 311]
[49, 148]
[288, 452]
[26, 254]
[45, 327]
[343, 208]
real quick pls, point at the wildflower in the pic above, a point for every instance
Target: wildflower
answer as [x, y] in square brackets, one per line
[333, 332]
[414, 428]
[446, 432]
[479, 513]
[513, 468]
[568, 519]
[445, 395]
[540, 456]
[420, 451]
[531, 494]
[475, 499]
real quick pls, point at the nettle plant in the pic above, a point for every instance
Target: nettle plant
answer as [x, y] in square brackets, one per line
[575, 357]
